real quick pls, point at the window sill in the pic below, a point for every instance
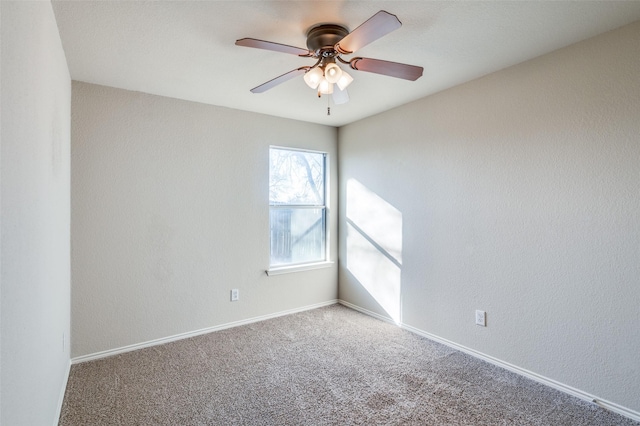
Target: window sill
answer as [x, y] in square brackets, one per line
[298, 268]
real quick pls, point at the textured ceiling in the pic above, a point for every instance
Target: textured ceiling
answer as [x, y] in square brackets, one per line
[185, 49]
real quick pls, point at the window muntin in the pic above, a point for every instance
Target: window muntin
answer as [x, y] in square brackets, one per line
[297, 206]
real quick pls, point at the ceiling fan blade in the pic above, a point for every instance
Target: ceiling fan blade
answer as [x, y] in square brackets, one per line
[380, 24]
[392, 69]
[340, 96]
[281, 79]
[269, 45]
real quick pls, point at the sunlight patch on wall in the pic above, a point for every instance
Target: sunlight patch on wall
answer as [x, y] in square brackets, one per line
[374, 246]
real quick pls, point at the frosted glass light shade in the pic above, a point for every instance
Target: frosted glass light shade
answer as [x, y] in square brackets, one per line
[332, 73]
[325, 88]
[313, 77]
[344, 81]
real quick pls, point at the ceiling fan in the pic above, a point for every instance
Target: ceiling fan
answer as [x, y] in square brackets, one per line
[326, 43]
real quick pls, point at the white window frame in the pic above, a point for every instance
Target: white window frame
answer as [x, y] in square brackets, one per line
[306, 266]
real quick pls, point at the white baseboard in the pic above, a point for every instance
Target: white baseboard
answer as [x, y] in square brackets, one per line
[161, 341]
[62, 392]
[367, 312]
[608, 405]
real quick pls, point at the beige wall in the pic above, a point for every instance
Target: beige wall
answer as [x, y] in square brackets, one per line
[170, 212]
[518, 194]
[35, 314]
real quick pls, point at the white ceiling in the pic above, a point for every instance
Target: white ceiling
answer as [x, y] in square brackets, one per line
[185, 49]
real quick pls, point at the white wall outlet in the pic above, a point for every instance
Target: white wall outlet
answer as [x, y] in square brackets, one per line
[481, 318]
[235, 294]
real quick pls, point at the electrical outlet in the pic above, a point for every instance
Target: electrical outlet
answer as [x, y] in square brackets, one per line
[481, 318]
[235, 294]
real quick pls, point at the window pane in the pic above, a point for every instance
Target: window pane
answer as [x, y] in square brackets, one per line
[296, 177]
[297, 235]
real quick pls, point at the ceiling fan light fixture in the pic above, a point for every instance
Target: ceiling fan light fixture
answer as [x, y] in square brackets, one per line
[325, 87]
[332, 73]
[326, 43]
[313, 77]
[344, 80]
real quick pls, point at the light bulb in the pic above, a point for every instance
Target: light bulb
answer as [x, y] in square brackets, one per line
[332, 73]
[325, 87]
[344, 81]
[313, 77]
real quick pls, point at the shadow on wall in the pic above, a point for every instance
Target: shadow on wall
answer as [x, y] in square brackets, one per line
[374, 246]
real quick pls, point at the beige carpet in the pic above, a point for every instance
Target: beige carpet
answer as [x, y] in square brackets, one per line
[329, 366]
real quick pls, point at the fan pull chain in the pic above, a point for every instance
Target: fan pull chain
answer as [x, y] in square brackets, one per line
[328, 105]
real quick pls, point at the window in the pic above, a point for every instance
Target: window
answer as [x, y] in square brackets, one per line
[297, 207]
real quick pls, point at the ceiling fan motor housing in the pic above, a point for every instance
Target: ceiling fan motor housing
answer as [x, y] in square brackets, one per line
[323, 37]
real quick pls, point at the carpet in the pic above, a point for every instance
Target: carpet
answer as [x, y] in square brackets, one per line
[328, 366]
